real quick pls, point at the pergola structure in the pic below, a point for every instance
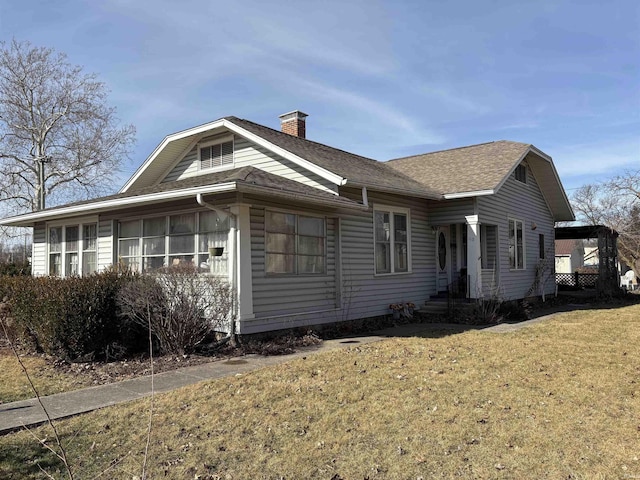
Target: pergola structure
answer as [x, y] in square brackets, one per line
[608, 283]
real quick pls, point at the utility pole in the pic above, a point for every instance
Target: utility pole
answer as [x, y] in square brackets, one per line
[41, 195]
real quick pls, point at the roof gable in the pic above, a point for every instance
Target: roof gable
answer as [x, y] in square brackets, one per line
[483, 169]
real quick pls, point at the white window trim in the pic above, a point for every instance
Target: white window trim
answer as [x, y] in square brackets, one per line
[297, 213]
[391, 210]
[80, 223]
[217, 141]
[524, 244]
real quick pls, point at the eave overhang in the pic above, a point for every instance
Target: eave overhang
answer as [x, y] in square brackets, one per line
[29, 219]
[324, 199]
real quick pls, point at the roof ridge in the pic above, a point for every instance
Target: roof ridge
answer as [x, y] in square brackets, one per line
[231, 118]
[452, 149]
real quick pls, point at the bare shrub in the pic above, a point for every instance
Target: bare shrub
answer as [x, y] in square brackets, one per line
[180, 305]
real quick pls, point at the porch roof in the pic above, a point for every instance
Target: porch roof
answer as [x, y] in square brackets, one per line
[245, 179]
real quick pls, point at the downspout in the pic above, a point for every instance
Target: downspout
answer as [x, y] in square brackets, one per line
[365, 199]
[232, 259]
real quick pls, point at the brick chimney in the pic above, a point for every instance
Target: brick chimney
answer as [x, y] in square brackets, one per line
[294, 123]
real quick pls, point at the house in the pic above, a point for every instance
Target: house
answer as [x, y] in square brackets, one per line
[311, 234]
[570, 255]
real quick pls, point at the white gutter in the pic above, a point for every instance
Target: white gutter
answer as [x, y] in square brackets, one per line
[232, 260]
[476, 193]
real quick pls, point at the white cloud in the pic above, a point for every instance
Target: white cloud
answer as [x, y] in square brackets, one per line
[377, 112]
[596, 161]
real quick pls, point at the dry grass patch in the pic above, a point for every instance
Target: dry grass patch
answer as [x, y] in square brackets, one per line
[47, 379]
[560, 399]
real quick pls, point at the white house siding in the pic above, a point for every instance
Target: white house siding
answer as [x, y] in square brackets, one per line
[106, 244]
[369, 295]
[39, 252]
[449, 212]
[523, 202]
[248, 154]
[187, 167]
[281, 302]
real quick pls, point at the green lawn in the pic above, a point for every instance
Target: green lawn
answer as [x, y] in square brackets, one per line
[558, 400]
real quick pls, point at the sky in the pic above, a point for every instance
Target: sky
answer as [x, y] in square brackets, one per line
[383, 79]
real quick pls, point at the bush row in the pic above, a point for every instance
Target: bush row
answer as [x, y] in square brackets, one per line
[12, 269]
[74, 318]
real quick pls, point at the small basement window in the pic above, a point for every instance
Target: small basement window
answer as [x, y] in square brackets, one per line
[216, 155]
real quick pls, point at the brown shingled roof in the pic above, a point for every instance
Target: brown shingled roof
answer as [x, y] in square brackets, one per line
[466, 169]
[244, 176]
[359, 171]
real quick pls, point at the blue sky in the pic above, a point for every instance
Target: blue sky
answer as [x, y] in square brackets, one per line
[381, 79]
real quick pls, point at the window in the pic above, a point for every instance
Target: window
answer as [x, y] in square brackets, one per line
[71, 253]
[71, 250]
[129, 244]
[153, 243]
[294, 244]
[89, 244]
[521, 173]
[212, 242]
[391, 231]
[216, 155]
[541, 246]
[182, 238]
[516, 245]
[191, 238]
[55, 251]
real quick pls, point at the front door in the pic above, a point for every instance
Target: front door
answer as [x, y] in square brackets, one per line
[443, 259]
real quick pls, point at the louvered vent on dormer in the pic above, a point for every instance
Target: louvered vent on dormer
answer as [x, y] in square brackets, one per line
[216, 155]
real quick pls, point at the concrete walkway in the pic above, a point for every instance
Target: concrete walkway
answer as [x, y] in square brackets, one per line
[16, 415]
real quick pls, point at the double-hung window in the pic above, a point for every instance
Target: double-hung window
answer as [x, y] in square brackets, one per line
[294, 244]
[89, 248]
[392, 233]
[55, 251]
[516, 245]
[71, 250]
[216, 154]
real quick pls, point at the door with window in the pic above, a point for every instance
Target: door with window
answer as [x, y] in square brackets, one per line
[443, 259]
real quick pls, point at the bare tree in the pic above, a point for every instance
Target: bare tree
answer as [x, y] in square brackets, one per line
[58, 136]
[616, 204]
